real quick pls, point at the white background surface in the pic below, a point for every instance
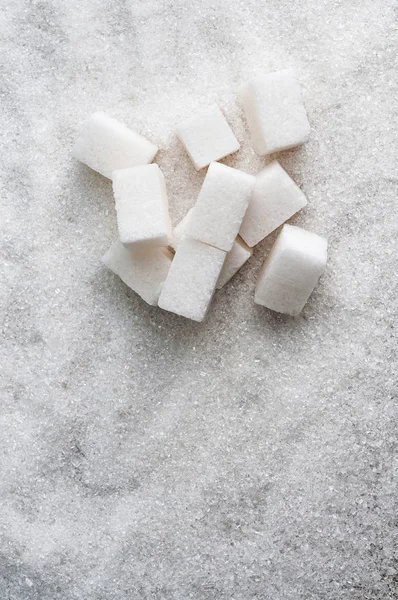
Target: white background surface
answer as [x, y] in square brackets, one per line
[145, 456]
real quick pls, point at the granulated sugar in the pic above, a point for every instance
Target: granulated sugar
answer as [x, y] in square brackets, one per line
[147, 456]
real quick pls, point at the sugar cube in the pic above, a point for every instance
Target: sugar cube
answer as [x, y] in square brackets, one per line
[207, 137]
[220, 207]
[142, 206]
[142, 270]
[179, 229]
[291, 271]
[235, 259]
[105, 144]
[192, 279]
[275, 199]
[275, 112]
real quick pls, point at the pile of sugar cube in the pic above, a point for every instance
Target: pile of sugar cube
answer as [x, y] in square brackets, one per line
[180, 270]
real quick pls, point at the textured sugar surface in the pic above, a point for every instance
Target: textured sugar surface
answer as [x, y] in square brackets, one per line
[191, 282]
[105, 144]
[291, 271]
[207, 137]
[142, 206]
[275, 199]
[143, 270]
[146, 456]
[275, 112]
[220, 207]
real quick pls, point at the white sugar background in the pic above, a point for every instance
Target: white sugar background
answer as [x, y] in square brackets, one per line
[144, 456]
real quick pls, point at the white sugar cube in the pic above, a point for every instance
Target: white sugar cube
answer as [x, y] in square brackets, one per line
[192, 279]
[179, 230]
[207, 137]
[291, 271]
[142, 206]
[275, 112]
[105, 144]
[275, 199]
[143, 270]
[220, 207]
[235, 259]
